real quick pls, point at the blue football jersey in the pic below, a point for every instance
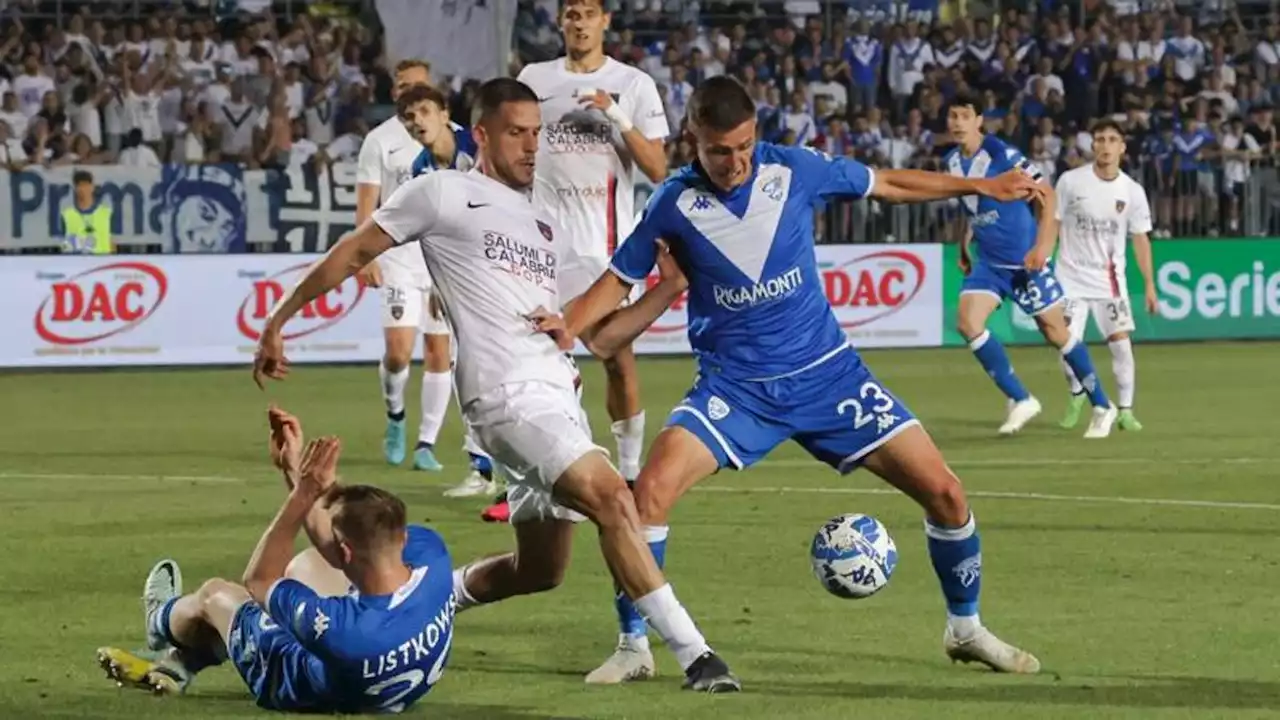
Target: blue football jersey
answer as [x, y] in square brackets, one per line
[464, 154]
[375, 653]
[756, 303]
[1003, 232]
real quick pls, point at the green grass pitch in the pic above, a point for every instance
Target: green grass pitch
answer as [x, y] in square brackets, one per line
[1143, 570]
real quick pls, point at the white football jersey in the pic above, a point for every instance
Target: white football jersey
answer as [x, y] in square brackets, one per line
[1096, 216]
[495, 257]
[584, 167]
[386, 160]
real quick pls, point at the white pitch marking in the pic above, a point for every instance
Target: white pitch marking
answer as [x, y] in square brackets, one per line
[93, 476]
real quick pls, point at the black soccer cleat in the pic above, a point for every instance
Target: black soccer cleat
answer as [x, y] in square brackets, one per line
[710, 674]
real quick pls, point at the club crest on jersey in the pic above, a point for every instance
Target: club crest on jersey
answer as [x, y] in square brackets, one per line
[773, 189]
[545, 229]
[1120, 206]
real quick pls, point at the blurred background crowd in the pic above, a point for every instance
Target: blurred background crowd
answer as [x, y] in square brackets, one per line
[280, 84]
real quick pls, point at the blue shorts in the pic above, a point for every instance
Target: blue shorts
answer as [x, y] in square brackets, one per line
[1033, 292]
[837, 411]
[280, 673]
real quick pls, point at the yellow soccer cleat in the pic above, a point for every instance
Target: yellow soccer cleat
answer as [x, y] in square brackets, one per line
[142, 670]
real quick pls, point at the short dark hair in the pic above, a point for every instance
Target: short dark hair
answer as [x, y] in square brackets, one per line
[1106, 124]
[81, 176]
[364, 516]
[497, 92]
[721, 104]
[416, 94]
[412, 63]
[969, 99]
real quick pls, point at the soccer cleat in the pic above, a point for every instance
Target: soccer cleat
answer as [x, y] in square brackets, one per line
[710, 674]
[393, 448]
[1020, 413]
[984, 647]
[473, 485]
[499, 511]
[143, 670]
[629, 662]
[425, 459]
[1127, 421]
[163, 583]
[1101, 422]
[1074, 407]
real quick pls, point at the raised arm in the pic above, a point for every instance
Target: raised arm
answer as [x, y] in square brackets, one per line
[924, 186]
[620, 329]
[286, 455]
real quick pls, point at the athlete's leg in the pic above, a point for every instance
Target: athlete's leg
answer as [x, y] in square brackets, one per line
[1125, 369]
[1053, 325]
[437, 388]
[538, 564]
[1077, 315]
[677, 461]
[912, 463]
[976, 305]
[393, 372]
[622, 400]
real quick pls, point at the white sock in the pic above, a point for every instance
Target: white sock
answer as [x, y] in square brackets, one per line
[964, 627]
[1072, 380]
[461, 596]
[437, 388]
[629, 434]
[1125, 369]
[393, 388]
[667, 616]
[638, 643]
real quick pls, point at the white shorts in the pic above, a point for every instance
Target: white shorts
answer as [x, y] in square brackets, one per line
[406, 300]
[533, 431]
[1110, 315]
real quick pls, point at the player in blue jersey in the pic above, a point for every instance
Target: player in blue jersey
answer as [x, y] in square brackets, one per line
[1010, 259]
[378, 648]
[773, 362]
[445, 144]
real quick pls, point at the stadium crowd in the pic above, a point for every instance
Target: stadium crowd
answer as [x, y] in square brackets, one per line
[274, 85]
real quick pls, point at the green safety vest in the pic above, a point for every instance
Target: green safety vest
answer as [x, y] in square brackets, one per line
[87, 233]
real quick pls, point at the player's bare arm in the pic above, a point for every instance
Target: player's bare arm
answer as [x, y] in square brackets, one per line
[649, 153]
[275, 549]
[621, 328]
[1046, 206]
[286, 454]
[602, 298]
[923, 186]
[354, 251]
[366, 203]
[966, 260]
[1146, 265]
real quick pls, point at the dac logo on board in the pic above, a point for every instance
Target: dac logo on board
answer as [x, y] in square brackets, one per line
[100, 302]
[873, 286]
[267, 290]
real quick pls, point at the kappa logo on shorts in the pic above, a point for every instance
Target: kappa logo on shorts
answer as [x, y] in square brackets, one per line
[717, 408]
[397, 311]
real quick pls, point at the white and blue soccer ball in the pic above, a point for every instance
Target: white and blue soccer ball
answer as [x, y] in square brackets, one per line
[853, 556]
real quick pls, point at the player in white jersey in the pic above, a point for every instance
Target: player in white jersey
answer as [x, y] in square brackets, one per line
[601, 119]
[498, 261]
[386, 162]
[1098, 206]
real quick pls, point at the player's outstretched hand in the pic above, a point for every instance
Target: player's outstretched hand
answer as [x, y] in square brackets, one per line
[1013, 185]
[370, 275]
[966, 265]
[668, 269]
[1152, 300]
[269, 360]
[286, 441]
[319, 466]
[545, 321]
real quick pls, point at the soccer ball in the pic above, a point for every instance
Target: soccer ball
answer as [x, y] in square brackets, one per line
[853, 556]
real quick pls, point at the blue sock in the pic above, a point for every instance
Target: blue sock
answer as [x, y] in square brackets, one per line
[482, 465]
[630, 621]
[995, 361]
[1076, 354]
[957, 559]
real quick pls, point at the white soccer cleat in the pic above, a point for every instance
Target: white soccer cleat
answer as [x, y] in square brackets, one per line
[1020, 413]
[1101, 422]
[474, 485]
[163, 583]
[629, 662]
[984, 647]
